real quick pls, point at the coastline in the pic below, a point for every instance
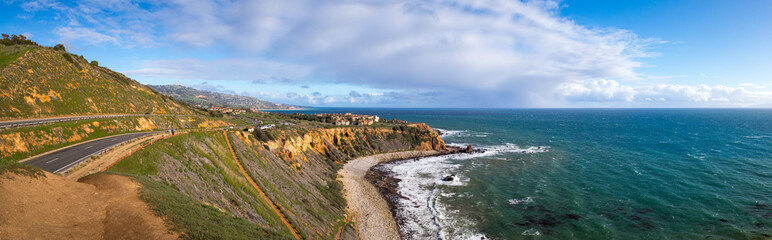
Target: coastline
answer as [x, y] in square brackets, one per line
[373, 215]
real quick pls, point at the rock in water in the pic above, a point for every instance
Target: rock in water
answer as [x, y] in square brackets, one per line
[449, 178]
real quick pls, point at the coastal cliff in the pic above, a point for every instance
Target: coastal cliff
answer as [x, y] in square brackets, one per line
[294, 171]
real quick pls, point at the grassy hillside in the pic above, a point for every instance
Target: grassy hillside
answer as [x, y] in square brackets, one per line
[194, 96]
[200, 166]
[295, 167]
[40, 82]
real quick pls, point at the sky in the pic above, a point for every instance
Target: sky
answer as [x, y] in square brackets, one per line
[434, 53]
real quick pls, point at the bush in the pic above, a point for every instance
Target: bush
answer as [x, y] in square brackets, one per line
[59, 47]
[68, 57]
[264, 135]
[215, 114]
[95, 63]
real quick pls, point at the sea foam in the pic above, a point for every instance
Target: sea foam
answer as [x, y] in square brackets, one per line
[423, 213]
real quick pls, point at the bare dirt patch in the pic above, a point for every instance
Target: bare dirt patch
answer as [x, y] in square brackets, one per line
[99, 207]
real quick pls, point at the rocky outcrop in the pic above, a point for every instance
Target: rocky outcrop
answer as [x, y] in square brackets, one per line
[345, 142]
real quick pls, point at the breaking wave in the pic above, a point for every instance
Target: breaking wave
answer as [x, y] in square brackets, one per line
[423, 213]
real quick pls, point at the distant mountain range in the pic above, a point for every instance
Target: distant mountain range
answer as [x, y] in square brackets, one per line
[215, 99]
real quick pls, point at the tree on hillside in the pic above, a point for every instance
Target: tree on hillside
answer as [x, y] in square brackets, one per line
[16, 40]
[94, 62]
[59, 47]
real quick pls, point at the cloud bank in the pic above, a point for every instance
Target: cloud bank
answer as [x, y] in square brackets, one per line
[671, 95]
[466, 53]
[499, 51]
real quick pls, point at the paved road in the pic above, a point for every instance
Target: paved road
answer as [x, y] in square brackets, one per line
[30, 122]
[66, 158]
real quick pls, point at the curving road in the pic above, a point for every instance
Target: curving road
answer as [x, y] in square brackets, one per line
[68, 157]
[31, 122]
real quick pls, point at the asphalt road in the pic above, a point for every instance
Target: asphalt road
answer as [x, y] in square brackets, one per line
[30, 122]
[66, 158]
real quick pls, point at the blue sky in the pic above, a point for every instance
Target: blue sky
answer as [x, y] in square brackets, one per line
[443, 53]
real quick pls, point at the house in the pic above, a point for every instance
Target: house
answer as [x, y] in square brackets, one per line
[350, 119]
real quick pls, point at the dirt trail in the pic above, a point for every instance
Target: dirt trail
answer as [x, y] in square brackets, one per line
[340, 229]
[259, 190]
[99, 207]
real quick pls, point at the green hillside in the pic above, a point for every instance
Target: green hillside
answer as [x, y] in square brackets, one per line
[39, 81]
[195, 96]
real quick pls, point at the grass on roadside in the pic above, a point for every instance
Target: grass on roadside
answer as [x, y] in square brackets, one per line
[13, 167]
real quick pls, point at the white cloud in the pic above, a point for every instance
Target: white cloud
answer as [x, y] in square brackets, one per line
[596, 91]
[496, 53]
[697, 94]
[84, 34]
[256, 70]
[506, 53]
[122, 22]
[387, 99]
[610, 91]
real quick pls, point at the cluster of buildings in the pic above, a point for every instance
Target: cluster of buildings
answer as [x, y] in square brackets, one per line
[263, 127]
[350, 119]
[222, 109]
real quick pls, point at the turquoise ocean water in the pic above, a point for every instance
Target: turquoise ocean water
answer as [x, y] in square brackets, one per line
[590, 174]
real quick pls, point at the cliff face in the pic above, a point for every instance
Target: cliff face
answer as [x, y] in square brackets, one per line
[310, 193]
[295, 168]
[340, 144]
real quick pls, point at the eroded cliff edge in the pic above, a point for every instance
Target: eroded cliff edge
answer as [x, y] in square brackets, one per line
[295, 167]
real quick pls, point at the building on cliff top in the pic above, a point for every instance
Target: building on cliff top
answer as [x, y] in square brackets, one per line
[350, 119]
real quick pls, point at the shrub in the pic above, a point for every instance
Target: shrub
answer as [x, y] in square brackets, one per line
[59, 47]
[95, 63]
[68, 57]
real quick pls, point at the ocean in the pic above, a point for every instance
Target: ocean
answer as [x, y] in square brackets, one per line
[589, 174]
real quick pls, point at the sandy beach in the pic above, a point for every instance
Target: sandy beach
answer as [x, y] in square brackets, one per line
[366, 207]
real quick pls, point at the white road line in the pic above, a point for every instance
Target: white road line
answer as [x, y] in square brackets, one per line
[87, 147]
[52, 160]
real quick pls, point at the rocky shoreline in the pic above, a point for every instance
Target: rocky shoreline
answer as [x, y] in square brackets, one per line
[387, 185]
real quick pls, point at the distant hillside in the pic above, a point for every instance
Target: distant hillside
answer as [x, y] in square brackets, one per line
[39, 81]
[195, 96]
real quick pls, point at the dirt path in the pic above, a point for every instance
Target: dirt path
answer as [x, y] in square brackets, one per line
[340, 229]
[102, 206]
[365, 205]
[259, 190]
